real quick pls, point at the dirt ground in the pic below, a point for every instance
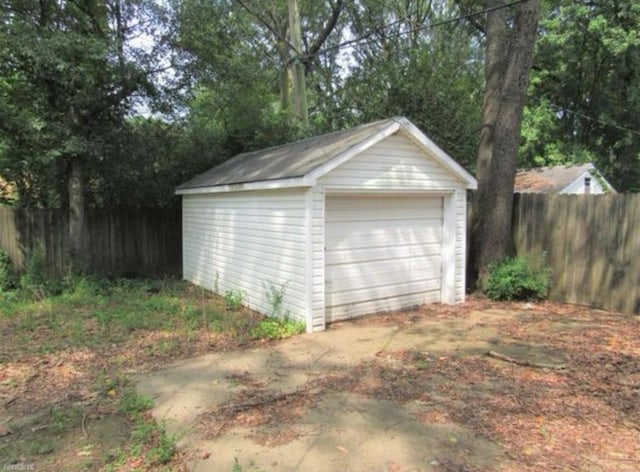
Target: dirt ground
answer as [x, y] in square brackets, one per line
[476, 387]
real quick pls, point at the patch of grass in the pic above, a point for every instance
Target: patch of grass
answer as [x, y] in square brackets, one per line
[96, 328]
[149, 440]
[40, 447]
[62, 420]
[132, 404]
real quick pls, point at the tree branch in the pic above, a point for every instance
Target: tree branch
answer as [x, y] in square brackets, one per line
[336, 10]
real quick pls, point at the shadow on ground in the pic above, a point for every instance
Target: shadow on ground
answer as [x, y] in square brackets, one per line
[410, 392]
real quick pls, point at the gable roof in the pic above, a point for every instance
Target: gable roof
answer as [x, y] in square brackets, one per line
[301, 163]
[550, 179]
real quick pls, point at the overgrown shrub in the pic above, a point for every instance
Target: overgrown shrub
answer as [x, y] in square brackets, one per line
[518, 278]
[8, 277]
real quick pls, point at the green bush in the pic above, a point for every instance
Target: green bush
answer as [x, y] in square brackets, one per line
[8, 277]
[518, 278]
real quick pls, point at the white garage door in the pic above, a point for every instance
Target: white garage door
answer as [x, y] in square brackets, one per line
[382, 253]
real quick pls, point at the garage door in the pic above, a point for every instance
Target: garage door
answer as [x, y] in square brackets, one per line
[382, 253]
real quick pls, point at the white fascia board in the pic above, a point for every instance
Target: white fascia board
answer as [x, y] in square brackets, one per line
[594, 172]
[263, 185]
[344, 156]
[423, 141]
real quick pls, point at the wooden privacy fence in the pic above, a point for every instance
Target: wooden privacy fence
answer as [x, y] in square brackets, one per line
[591, 242]
[143, 242]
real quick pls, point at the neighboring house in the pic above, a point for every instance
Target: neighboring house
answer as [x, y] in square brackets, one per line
[358, 221]
[574, 179]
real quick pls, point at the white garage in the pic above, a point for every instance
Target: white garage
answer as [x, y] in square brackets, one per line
[359, 221]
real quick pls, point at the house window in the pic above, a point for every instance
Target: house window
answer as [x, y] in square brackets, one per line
[587, 185]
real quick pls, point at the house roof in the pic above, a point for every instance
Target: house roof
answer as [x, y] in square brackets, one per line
[549, 179]
[302, 162]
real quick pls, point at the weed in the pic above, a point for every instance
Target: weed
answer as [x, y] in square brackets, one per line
[165, 447]
[132, 404]
[8, 278]
[40, 447]
[35, 280]
[237, 467]
[233, 299]
[275, 296]
[63, 419]
[147, 434]
[277, 328]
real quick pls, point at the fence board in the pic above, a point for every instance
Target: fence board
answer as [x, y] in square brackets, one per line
[591, 242]
[144, 242]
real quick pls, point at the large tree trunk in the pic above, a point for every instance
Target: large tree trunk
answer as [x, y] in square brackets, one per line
[299, 81]
[77, 225]
[509, 55]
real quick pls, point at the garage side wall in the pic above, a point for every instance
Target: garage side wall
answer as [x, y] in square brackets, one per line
[248, 241]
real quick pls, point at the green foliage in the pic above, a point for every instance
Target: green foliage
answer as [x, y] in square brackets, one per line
[275, 297]
[517, 278]
[583, 90]
[8, 276]
[35, 279]
[63, 419]
[132, 404]
[147, 434]
[164, 448]
[233, 299]
[66, 84]
[277, 328]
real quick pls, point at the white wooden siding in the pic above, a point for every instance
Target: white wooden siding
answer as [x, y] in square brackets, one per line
[382, 253]
[393, 163]
[246, 241]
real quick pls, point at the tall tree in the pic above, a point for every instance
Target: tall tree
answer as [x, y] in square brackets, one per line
[66, 83]
[510, 39]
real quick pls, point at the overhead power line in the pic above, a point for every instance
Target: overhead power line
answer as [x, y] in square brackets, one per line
[366, 38]
[593, 119]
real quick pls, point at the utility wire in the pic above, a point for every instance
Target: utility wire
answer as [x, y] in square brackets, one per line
[365, 39]
[589, 118]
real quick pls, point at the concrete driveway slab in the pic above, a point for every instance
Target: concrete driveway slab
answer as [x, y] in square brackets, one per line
[337, 431]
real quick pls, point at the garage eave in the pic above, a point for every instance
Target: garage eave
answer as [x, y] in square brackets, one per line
[239, 187]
